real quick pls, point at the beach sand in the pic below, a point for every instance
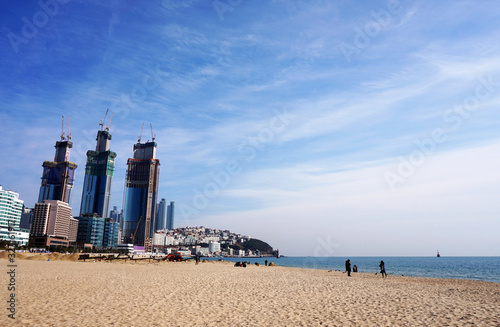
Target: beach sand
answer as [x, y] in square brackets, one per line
[64, 292]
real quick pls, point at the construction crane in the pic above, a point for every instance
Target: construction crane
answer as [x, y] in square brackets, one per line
[153, 136]
[109, 124]
[101, 123]
[62, 128]
[139, 141]
[132, 237]
[69, 133]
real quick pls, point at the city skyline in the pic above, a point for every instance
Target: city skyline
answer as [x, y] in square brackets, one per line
[325, 128]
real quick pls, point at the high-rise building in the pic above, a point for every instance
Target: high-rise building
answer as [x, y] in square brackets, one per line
[51, 224]
[170, 215]
[141, 191]
[90, 230]
[94, 227]
[98, 176]
[52, 221]
[26, 218]
[111, 231]
[58, 175]
[11, 208]
[73, 229]
[161, 215]
[116, 215]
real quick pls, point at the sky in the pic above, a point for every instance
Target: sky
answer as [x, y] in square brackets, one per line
[324, 128]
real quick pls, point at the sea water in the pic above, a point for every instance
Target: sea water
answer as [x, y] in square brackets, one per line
[476, 268]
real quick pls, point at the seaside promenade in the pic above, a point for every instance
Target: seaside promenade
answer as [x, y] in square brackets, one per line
[65, 292]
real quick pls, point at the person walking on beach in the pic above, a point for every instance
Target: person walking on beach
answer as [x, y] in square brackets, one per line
[382, 268]
[348, 267]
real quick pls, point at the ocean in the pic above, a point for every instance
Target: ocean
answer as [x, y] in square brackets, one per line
[476, 268]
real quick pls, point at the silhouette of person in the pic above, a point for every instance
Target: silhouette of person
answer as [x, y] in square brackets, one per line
[348, 267]
[382, 269]
[265, 262]
[354, 268]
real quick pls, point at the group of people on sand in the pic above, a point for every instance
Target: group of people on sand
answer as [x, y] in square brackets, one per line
[355, 268]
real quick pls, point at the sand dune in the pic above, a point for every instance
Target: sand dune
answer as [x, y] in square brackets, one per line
[66, 293]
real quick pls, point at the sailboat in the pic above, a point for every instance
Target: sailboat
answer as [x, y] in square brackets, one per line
[438, 255]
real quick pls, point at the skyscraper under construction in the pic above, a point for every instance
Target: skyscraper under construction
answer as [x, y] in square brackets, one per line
[52, 223]
[58, 175]
[141, 189]
[98, 176]
[94, 227]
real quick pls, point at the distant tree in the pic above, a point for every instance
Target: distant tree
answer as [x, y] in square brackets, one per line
[255, 244]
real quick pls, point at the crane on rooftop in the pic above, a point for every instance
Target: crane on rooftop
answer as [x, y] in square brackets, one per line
[101, 123]
[139, 141]
[69, 133]
[62, 128]
[153, 136]
[109, 124]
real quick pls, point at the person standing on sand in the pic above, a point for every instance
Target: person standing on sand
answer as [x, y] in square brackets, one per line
[348, 267]
[382, 268]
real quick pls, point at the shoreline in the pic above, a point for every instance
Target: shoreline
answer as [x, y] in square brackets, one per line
[54, 256]
[69, 293]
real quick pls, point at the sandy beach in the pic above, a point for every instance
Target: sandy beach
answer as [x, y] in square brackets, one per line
[64, 292]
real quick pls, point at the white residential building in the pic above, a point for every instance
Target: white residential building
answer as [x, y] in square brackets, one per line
[213, 247]
[11, 208]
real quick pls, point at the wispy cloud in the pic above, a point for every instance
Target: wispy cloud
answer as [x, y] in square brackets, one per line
[211, 89]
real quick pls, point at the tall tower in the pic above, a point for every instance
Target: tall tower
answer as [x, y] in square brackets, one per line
[141, 189]
[161, 215]
[170, 215]
[98, 176]
[58, 175]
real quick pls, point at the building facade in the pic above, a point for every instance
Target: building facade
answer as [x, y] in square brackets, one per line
[98, 177]
[11, 208]
[141, 189]
[58, 175]
[90, 230]
[111, 232]
[51, 224]
[26, 218]
[161, 215]
[116, 215]
[170, 215]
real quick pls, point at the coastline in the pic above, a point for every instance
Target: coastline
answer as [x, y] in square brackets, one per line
[68, 293]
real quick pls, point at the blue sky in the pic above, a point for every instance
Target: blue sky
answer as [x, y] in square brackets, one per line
[324, 128]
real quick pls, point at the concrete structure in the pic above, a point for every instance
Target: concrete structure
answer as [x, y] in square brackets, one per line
[141, 189]
[159, 239]
[73, 230]
[11, 208]
[170, 216]
[51, 224]
[98, 176]
[58, 175]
